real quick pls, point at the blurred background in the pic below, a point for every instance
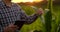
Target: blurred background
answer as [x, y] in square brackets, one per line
[38, 25]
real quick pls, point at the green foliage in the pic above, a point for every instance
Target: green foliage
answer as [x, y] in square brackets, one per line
[48, 17]
[48, 20]
[38, 25]
[28, 10]
[52, 19]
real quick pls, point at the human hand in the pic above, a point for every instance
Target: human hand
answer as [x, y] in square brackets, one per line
[10, 28]
[39, 11]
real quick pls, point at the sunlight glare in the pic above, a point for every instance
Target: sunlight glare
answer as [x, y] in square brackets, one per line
[18, 1]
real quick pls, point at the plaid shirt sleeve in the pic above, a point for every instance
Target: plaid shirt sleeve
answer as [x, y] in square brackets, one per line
[0, 23]
[28, 19]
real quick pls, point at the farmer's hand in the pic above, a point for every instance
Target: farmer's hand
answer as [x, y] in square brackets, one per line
[39, 11]
[10, 28]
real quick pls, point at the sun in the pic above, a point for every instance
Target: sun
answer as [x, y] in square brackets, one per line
[18, 1]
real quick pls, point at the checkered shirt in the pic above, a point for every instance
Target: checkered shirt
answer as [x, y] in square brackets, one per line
[11, 14]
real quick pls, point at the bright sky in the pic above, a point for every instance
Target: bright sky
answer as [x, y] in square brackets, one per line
[17, 1]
